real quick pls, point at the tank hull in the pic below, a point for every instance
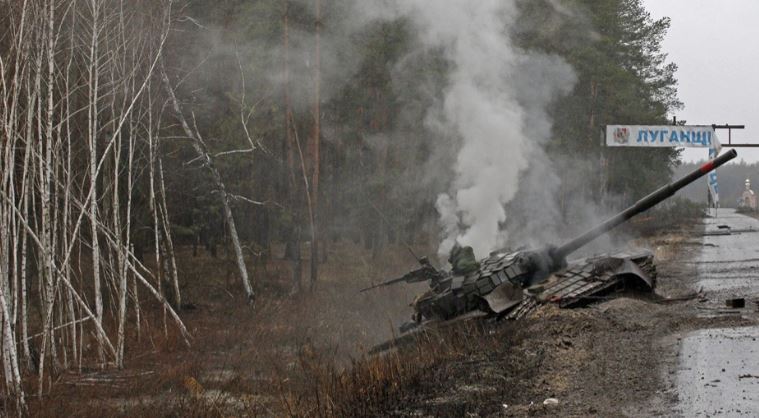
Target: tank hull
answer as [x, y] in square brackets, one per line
[496, 288]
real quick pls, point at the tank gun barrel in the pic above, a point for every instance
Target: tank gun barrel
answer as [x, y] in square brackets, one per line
[642, 205]
[425, 273]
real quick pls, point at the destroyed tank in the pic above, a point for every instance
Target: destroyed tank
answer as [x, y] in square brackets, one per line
[511, 284]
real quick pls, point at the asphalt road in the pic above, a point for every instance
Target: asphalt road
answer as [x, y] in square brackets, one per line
[718, 372]
[729, 264]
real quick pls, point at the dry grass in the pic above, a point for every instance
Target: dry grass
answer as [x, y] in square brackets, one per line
[378, 385]
[246, 361]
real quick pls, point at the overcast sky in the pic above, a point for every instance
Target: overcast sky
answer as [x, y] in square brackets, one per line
[715, 44]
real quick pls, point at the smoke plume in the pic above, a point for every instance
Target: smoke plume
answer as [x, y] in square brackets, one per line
[490, 120]
[494, 105]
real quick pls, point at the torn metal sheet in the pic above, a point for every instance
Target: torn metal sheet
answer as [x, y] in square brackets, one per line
[736, 303]
[583, 281]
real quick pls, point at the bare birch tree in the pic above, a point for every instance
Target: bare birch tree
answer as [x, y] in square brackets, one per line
[206, 159]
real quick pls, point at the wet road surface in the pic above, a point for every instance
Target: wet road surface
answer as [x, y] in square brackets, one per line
[730, 263]
[718, 372]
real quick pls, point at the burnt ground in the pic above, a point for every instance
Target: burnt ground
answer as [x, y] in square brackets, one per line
[306, 355]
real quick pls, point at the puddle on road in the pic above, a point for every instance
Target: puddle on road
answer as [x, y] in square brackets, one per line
[719, 373]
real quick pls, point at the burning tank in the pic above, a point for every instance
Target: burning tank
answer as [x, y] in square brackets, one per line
[511, 284]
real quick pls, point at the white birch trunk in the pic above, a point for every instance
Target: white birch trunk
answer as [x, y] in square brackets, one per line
[45, 177]
[200, 148]
[172, 261]
[152, 152]
[10, 354]
[68, 239]
[93, 72]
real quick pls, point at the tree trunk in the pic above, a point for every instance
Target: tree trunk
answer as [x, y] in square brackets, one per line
[315, 157]
[203, 154]
[292, 247]
[168, 240]
[92, 108]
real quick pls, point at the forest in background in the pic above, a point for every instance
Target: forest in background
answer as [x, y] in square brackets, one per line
[376, 156]
[261, 129]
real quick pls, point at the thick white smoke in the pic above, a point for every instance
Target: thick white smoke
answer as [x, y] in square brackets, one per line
[495, 104]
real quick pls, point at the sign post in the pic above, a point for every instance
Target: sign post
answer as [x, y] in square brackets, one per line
[670, 136]
[660, 136]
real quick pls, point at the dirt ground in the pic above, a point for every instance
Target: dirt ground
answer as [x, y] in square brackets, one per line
[306, 355]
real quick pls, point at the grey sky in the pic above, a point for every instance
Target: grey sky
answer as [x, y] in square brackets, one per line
[715, 43]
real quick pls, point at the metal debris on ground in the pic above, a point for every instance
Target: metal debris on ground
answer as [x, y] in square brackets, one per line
[727, 230]
[584, 281]
[736, 303]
